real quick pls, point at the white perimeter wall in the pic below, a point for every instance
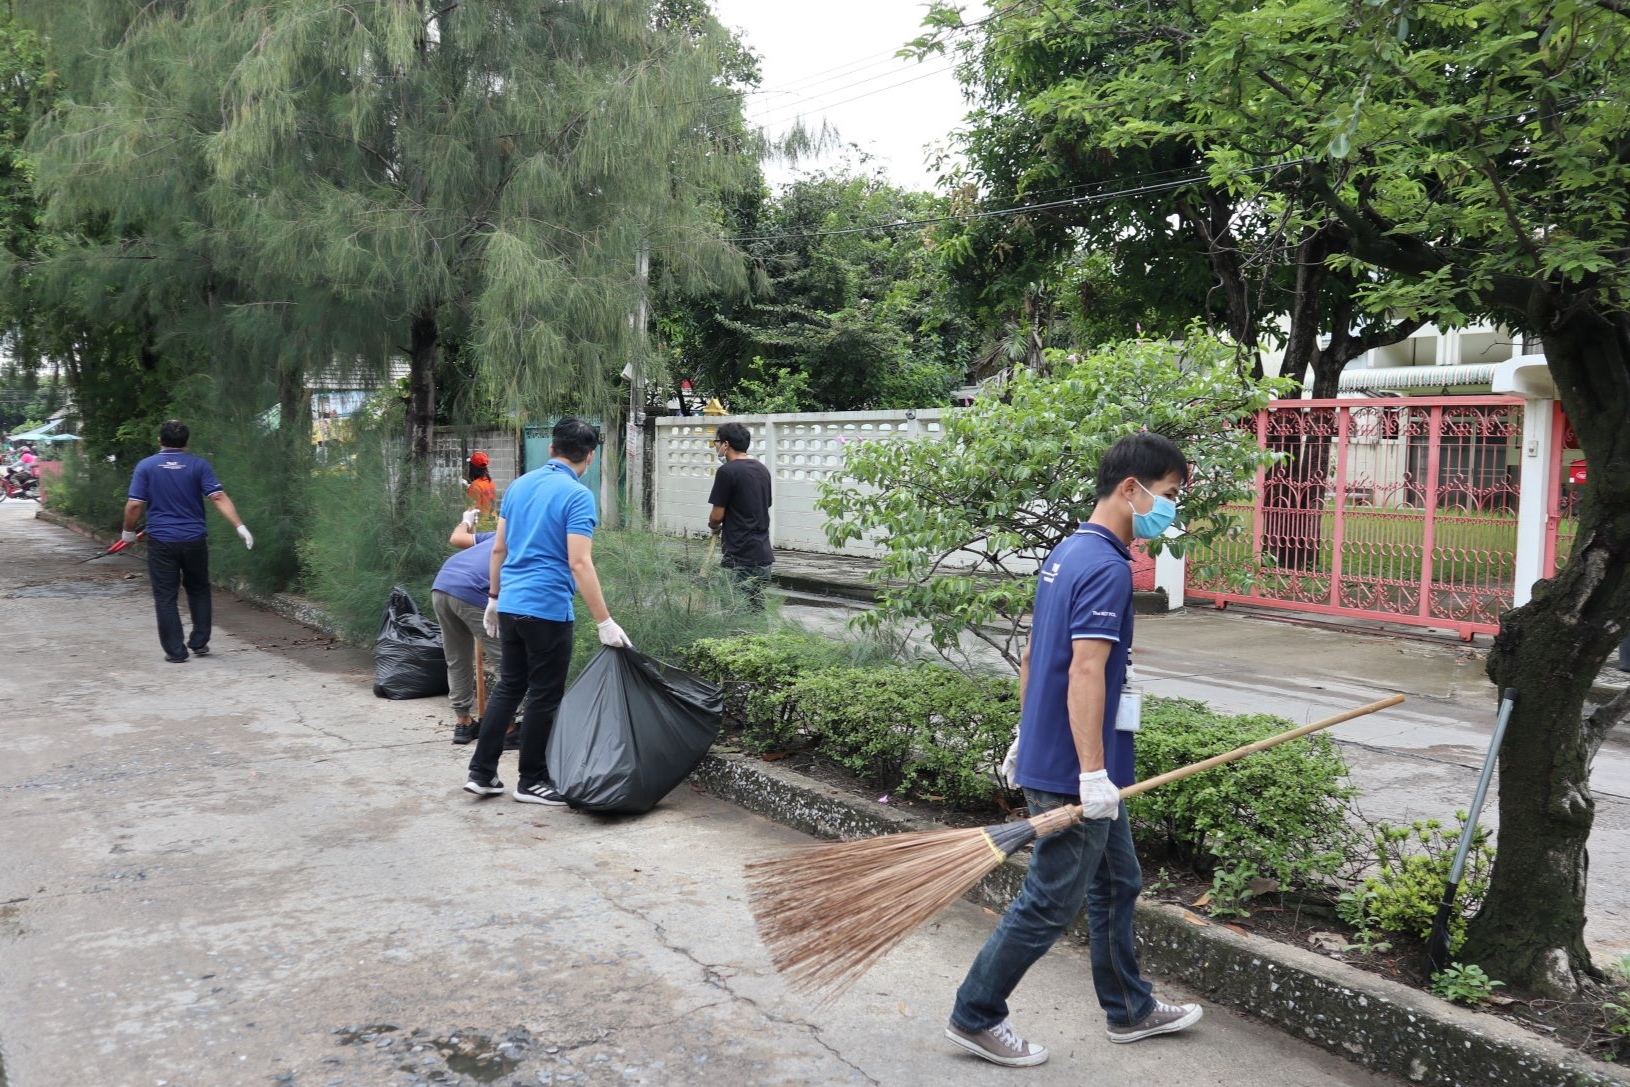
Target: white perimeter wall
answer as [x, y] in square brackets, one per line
[801, 451]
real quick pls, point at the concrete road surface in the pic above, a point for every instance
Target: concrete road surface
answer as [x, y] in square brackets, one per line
[248, 870]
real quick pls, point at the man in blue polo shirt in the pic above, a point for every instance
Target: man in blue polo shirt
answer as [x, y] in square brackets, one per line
[1070, 751]
[171, 486]
[541, 555]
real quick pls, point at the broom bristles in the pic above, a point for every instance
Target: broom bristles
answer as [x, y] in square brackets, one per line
[828, 912]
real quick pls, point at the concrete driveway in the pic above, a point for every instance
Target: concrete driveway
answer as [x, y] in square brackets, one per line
[248, 870]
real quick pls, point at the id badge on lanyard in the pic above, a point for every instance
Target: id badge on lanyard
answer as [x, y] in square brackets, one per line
[1129, 715]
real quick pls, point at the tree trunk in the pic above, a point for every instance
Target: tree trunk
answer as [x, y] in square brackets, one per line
[1530, 932]
[421, 408]
[294, 406]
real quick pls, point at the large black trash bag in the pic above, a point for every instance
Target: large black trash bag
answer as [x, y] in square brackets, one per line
[408, 659]
[629, 731]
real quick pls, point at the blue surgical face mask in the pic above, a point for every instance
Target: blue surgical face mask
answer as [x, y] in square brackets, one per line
[1147, 526]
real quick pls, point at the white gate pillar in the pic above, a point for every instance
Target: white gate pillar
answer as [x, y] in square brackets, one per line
[1528, 377]
[1534, 499]
[1171, 574]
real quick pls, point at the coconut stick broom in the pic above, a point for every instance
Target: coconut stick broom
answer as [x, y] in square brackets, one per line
[828, 912]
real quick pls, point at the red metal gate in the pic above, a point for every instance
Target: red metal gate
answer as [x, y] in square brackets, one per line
[1398, 509]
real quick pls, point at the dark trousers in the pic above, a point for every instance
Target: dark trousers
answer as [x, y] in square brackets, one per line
[751, 580]
[536, 656]
[170, 566]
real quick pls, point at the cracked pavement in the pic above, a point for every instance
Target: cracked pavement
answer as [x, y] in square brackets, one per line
[249, 870]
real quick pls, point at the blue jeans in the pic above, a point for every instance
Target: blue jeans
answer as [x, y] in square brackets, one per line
[1091, 862]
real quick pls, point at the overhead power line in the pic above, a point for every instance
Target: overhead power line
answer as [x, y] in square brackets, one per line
[996, 213]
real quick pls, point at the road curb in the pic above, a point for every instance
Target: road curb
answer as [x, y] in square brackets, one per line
[1384, 1026]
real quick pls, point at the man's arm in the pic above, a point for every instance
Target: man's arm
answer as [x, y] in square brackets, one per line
[580, 554]
[462, 537]
[719, 498]
[222, 503]
[500, 551]
[1085, 699]
[133, 509]
[1024, 675]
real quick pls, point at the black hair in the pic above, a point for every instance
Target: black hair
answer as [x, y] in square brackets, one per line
[477, 471]
[1146, 457]
[173, 434]
[739, 437]
[573, 439]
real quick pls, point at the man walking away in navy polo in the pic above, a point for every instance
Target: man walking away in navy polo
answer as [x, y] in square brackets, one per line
[1075, 746]
[543, 553]
[171, 486]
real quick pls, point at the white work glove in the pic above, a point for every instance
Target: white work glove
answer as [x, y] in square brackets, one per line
[489, 618]
[470, 518]
[248, 540]
[612, 634]
[1099, 797]
[1010, 764]
[127, 537]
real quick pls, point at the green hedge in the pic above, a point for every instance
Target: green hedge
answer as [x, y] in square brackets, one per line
[918, 731]
[1282, 811]
[933, 733]
[924, 731]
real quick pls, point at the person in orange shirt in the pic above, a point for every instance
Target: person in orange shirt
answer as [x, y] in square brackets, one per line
[481, 490]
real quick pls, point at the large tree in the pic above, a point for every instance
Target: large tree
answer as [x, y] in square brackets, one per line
[1457, 161]
[1168, 238]
[407, 178]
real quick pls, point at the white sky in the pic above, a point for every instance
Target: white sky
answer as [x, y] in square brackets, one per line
[833, 60]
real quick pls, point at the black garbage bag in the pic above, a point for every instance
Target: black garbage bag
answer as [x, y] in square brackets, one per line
[408, 659]
[629, 731]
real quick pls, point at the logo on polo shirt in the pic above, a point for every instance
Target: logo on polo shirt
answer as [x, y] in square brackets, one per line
[1106, 615]
[1049, 575]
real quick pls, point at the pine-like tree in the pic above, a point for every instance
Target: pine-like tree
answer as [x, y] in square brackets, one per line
[311, 180]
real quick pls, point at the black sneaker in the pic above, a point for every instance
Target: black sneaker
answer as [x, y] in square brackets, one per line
[463, 734]
[177, 660]
[201, 651]
[539, 793]
[490, 787]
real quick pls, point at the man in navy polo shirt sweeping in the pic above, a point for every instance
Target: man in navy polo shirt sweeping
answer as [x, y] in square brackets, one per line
[171, 486]
[542, 554]
[1070, 750]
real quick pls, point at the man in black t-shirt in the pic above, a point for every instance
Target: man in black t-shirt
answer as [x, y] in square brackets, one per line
[741, 511]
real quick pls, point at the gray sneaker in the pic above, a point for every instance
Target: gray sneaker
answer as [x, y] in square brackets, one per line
[998, 1044]
[1165, 1019]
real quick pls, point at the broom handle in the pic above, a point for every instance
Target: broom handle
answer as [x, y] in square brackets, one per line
[1054, 820]
[1251, 749]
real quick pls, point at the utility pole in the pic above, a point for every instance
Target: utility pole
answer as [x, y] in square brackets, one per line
[634, 440]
